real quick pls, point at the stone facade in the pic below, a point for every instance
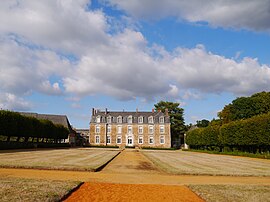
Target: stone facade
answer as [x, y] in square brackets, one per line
[134, 129]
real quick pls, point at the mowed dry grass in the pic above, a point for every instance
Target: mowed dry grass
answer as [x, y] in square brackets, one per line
[86, 159]
[235, 193]
[30, 190]
[181, 162]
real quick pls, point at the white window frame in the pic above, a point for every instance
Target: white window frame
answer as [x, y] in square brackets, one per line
[119, 119]
[129, 119]
[150, 119]
[119, 131]
[98, 119]
[160, 138]
[140, 138]
[161, 131]
[140, 119]
[149, 130]
[109, 119]
[140, 132]
[118, 137]
[109, 129]
[161, 119]
[97, 129]
[97, 136]
[129, 129]
[108, 138]
[151, 138]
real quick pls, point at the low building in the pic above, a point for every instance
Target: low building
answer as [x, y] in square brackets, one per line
[132, 129]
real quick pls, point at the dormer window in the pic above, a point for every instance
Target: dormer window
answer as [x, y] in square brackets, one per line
[98, 119]
[150, 119]
[119, 119]
[109, 119]
[140, 119]
[130, 119]
[161, 119]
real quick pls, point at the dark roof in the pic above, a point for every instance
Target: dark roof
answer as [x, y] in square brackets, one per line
[125, 114]
[56, 119]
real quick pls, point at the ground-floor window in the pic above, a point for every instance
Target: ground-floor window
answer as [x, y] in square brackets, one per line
[129, 140]
[140, 140]
[151, 140]
[108, 139]
[119, 140]
[162, 139]
[97, 139]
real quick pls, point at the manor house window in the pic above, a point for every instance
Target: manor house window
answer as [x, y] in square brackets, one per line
[150, 119]
[140, 120]
[130, 119]
[119, 119]
[161, 119]
[97, 128]
[151, 129]
[140, 129]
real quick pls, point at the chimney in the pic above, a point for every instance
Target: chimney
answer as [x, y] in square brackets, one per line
[106, 111]
[93, 111]
[153, 110]
[166, 112]
[159, 110]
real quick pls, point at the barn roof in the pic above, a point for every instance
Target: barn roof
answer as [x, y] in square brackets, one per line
[56, 119]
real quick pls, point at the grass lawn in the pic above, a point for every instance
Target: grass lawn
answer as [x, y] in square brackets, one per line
[60, 159]
[17, 189]
[236, 193]
[180, 162]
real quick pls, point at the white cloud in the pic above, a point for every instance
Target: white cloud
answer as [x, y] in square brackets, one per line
[36, 34]
[24, 70]
[224, 13]
[12, 102]
[63, 25]
[204, 71]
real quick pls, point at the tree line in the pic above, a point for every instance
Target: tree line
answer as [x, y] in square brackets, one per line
[244, 125]
[22, 128]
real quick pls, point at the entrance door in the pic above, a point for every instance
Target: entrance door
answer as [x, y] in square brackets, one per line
[129, 141]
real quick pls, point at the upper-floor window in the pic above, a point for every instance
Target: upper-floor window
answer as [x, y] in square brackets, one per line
[129, 129]
[98, 119]
[140, 119]
[97, 128]
[109, 129]
[109, 119]
[150, 119]
[119, 129]
[130, 119]
[151, 129]
[102, 119]
[161, 119]
[140, 129]
[161, 129]
[119, 119]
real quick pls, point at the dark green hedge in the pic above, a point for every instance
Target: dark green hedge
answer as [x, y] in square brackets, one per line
[30, 145]
[13, 124]
[249, 135]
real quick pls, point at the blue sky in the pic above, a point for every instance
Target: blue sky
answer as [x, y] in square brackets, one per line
[65, 57]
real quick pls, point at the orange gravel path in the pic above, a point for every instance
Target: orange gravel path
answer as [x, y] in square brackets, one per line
[129, 192]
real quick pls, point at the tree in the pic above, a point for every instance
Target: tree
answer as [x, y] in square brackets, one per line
[246, 107]
[203, 123]
[176, 114]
